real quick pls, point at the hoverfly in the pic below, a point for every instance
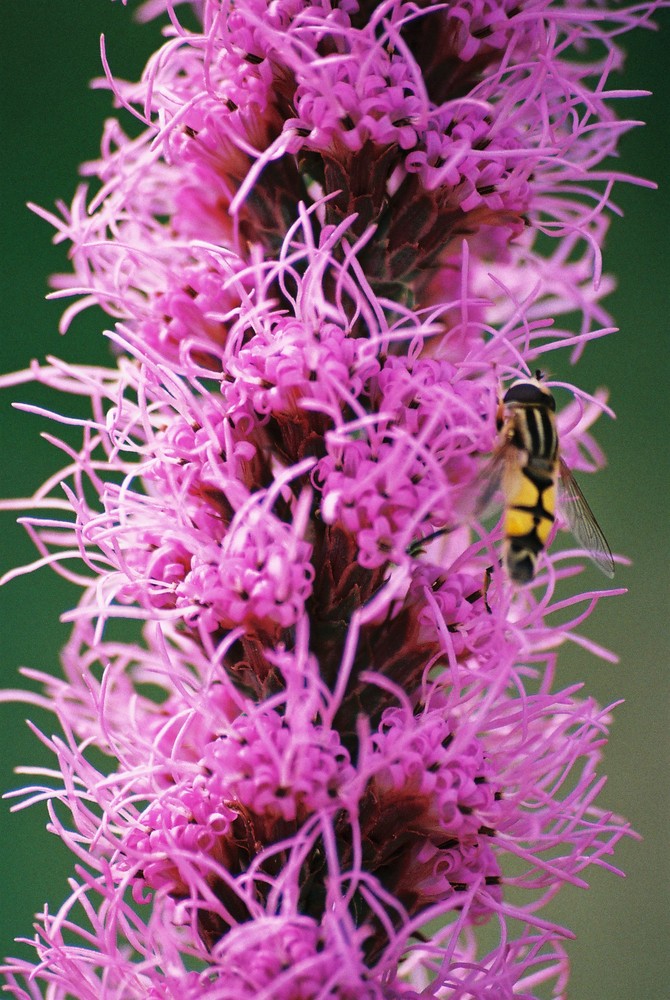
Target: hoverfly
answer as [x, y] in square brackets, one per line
[527, 467]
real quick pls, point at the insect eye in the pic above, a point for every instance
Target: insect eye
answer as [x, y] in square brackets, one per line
[531, 394]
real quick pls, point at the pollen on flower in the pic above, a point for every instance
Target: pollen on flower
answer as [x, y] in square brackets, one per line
[338, 744]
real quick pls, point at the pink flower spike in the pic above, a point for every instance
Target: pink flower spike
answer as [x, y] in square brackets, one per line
[314, 730]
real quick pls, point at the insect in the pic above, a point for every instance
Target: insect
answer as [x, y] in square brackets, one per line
[527, 467]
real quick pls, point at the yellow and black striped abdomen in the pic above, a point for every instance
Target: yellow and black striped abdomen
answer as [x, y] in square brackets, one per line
[530, 490]
[529, 516]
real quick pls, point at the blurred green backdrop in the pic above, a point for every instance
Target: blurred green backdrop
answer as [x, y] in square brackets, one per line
[51, 122]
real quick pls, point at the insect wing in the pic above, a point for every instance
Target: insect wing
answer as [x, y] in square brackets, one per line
[582, 523]
[490, 479]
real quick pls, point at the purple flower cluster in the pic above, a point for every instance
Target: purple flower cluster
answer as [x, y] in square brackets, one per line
[331, 753]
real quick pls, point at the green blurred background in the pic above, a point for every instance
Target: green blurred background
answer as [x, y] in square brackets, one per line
[51, 121]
